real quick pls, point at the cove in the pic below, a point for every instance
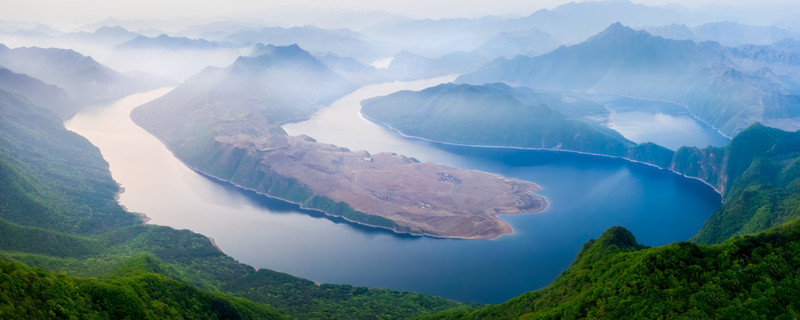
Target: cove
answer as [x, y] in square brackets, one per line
[587, 195]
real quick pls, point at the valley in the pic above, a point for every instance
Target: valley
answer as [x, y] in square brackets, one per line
[594, 159]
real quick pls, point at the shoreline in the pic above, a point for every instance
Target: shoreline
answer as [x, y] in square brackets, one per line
[331, 215]
[145, 219]
[402, 134]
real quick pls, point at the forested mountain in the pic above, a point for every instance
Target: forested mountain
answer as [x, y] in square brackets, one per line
[49, 96]
[614, 277]
[498, 115]
[83, 78]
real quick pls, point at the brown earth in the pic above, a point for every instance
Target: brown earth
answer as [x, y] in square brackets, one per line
[426, 198]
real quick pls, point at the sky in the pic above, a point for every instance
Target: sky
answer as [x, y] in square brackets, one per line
[74, 13]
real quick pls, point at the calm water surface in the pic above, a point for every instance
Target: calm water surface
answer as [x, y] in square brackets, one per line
[664, 123]
[586, 195]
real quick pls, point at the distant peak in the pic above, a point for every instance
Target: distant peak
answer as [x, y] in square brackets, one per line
[618, 30]
[107, 29]
[261, 49]
[617, 27]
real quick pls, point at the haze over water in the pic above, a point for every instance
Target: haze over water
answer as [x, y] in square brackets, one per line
[586, 195]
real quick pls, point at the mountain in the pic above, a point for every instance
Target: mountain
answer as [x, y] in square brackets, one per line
[39, 93]
[435, 38]
[103, 35]
[734, 34]
[574, 22]
[342, 42]
[270, 81]
[171, 57]
[704, 77]
[83, 78]
[531, 42]
[758, 174]
[351, 69]
[169, 43]
[225, 123]
[730, 34]
[58, 212]
[614, 277]
[409, 66]
[672, 31]
[497, 115]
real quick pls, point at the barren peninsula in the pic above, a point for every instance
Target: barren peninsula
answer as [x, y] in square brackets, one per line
[419, 198]
[225, 123]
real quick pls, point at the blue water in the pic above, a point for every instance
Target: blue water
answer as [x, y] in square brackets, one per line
[586, 195]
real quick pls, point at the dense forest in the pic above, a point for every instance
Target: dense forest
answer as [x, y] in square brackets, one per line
[613, 277]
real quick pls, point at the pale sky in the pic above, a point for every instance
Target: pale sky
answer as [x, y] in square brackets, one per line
[73, 13]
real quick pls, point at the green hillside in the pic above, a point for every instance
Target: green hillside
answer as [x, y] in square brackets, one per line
[613, 277]
[497, 115]
[27, 293]
[58, 213]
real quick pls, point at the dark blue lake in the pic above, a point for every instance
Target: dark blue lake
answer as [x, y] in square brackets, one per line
[586, 194]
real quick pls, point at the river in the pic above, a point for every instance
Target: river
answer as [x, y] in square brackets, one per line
[586, 194]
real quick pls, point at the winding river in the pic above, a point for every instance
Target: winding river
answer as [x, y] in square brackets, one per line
[587, 195]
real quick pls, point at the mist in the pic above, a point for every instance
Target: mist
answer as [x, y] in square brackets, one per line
[463, 150]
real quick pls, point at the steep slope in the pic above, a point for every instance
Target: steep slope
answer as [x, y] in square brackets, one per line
[496, 115]
[727, 90]
[613, 277]
[225, 124]
[86, 80]
[758, 172]
[43, 185]
[41, 94]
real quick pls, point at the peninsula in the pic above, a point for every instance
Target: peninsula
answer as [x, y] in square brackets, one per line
[223, 124]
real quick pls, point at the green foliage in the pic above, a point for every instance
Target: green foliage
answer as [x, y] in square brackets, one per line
[496, 115]
[57, 212]
[53, 178]
[750, 277]
[651, 153]
[759, 173]
[27, 293]
[36, 240]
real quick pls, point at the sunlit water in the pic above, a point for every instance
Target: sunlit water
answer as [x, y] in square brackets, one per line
[663, 123]
[586, 194]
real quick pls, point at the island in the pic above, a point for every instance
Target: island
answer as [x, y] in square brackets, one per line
[225, 124]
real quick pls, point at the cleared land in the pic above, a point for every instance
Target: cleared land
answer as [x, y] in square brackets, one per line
[421, 198]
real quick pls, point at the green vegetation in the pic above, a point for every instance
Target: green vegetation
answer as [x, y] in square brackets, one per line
[238, 166]
[613, 277]
[27, 293]
[498, 115]
[757, 172]
[58, 213]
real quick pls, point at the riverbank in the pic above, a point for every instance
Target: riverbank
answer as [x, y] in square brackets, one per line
[404, 135]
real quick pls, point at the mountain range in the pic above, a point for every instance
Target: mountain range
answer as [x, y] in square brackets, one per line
[713, 82]
[84, 79]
